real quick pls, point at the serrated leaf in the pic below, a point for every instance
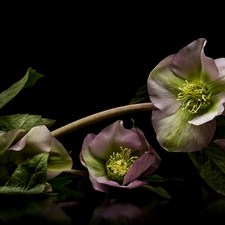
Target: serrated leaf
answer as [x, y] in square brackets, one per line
[23, 121]
[29, 177]
[210, 163]
[28, 80]
[140, 96]
[158, 190]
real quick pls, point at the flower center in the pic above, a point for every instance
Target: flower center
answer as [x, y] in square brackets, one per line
[195, 95]
[118, 164]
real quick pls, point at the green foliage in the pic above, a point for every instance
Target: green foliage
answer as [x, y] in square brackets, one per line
[210, 163]
[220, 128]
[141, 96]
[158, 190]
[23, 121]
[61, 185]
[28, 80]
[29, 177]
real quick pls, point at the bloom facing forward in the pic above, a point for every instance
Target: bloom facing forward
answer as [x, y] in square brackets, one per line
[188, 92]
[118, 157]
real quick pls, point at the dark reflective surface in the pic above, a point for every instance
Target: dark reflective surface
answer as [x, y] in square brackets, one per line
[188, 204]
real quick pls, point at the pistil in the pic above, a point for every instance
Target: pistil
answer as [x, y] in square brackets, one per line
[118, 164]
[194, 95]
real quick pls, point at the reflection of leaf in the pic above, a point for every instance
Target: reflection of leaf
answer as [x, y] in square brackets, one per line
[28, 80]
[29, 177]
[141, 95]
[214, 212]
[23, 121]
[210, 163]
[21, 212]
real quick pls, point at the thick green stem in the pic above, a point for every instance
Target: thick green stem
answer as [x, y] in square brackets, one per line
[101, 116]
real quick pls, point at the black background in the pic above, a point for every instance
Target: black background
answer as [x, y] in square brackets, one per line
[95, 57]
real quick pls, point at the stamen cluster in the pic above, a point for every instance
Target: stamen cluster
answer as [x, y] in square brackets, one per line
[195, 95]
[118, 164]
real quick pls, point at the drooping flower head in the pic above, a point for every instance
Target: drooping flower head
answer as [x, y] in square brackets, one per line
[188, 92]
[118, 157]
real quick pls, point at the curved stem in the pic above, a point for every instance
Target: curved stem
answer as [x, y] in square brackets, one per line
[101, 116]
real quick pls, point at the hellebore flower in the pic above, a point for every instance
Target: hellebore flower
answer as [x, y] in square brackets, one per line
[16, 146]
[118, 157]
[188, 92]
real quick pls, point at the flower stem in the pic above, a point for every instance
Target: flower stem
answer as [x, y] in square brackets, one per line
[101, 116]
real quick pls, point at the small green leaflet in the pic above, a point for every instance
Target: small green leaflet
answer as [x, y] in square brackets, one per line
[210, 163]
[29, 177]
[140, 96]
[158, 190]
[28, 80]
[23, 121]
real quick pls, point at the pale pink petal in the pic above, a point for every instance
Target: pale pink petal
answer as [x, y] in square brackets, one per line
[111, 138]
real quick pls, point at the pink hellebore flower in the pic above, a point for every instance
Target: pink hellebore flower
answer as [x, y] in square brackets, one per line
[188, 92]
[118, 157]
[16, 146]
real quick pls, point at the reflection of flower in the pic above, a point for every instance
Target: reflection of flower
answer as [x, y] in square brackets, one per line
[122, 213]
[118, 157]
[14, 150]
[188, 92]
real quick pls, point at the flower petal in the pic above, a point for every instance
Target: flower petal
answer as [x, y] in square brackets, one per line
[131, 185]
[173, 131]
[209, 70]
[36, 141]
[187, 63]
[88, 139]
[215, 108]
[146, 147]
[8, 138]
[139, 166]
[163, 86]
[111, 138]
[191, 64]
[220, 63]
[96, 168]
[58, 160]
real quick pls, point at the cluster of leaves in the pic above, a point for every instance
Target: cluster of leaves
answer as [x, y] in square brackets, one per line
[21, 121]
[30, 176]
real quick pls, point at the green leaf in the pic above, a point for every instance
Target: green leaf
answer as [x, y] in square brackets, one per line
[210, 163]
[154, 178]
[140, 96]
[220, 128]
[29, 177]
[158, 190]
[28, 80]
[60, 185]
[23, 121]
[33, 76]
